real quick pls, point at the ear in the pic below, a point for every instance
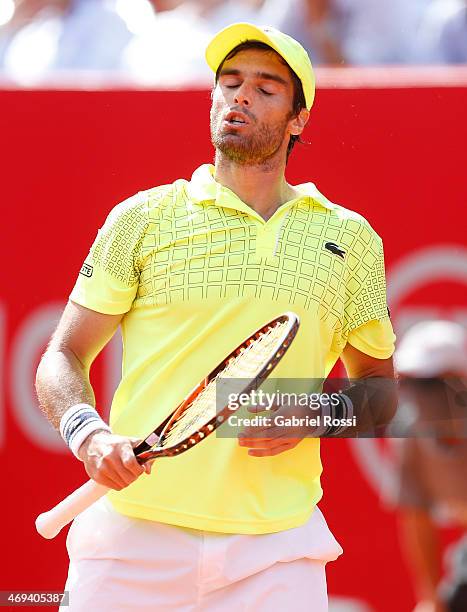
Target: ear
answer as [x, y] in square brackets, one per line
[298, 123]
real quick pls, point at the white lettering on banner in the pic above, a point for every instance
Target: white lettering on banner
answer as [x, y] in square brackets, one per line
[448, 262]
[31, 338]
[425, 266]
[437, 263]
[2, 372]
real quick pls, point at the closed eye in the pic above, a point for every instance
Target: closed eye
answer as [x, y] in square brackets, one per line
[266, 93]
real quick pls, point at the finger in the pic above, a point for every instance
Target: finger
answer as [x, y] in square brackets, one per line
[287, 433]
[129, 461]
[268, 431]
[263, 431]
[266, 408]
[121, 466]
[256, 442]
[148, 466]
[270, 452]
[294, 441]
[121, 477]
[263, 443]
[105, 479]
[264, 434]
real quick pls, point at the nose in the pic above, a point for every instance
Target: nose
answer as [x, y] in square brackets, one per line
[242, 96]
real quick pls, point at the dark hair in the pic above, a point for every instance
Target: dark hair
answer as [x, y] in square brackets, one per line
[298, 96]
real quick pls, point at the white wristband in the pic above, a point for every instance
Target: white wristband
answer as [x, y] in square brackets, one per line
[77, 423]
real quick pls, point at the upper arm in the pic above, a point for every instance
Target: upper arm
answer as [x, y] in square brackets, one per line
[366, 321]
[361, 365]
[84, 332]
[106, 286]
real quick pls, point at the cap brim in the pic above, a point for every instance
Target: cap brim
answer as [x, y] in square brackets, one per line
[231, 36]
[236, 34]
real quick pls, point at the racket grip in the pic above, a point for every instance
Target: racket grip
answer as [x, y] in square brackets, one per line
[50, 523]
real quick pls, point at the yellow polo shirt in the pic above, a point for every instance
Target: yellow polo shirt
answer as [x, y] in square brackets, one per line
[196, 270]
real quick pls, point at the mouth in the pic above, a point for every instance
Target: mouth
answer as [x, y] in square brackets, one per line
[237, 119]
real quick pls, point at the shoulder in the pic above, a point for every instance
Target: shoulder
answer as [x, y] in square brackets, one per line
[348, 221]
[164, 194]
[359, 226]
[141, 207]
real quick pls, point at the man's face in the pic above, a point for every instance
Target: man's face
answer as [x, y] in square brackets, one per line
[251, 113]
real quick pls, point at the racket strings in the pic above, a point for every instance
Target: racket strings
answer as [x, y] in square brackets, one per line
[247, 364]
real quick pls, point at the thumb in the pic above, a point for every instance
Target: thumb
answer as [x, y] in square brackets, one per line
[134, 441]
[254, 409]
[259, 408]
[148, 466]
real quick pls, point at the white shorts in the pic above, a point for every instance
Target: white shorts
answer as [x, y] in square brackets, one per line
[119, 563]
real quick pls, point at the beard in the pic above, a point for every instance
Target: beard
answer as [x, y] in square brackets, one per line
[258, 147]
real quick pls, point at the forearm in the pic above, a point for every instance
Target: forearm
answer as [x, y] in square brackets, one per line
[373, 392]
[374, 403]
[62, 381]
[422, 550]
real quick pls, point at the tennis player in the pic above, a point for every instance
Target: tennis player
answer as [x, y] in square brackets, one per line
[188, 270]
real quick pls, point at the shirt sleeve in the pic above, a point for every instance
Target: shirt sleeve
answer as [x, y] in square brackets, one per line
[375, 338]
[109, 277]
[368, 326]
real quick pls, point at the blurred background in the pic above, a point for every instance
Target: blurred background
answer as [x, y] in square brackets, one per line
[103, 98]
[161, 42]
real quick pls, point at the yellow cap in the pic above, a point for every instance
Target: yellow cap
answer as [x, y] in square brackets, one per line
[287, 47]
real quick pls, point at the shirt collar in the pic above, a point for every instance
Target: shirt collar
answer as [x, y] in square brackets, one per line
[203, 187]
[310, 190]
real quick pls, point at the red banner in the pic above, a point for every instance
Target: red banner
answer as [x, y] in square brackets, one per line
[394, 154]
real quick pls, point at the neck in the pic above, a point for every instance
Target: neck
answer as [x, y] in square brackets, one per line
[263, 186]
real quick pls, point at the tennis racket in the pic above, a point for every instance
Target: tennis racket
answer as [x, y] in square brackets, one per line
[197, 417]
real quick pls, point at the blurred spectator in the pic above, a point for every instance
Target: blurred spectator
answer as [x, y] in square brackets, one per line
[171, 51]
[432, 464]
[442, 37]
[317, 24]
[161, 42]
[360, 32]
[379, 32]
[231, 11]
[46, 36]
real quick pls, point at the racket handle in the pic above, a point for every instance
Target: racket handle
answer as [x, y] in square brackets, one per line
[50, 523]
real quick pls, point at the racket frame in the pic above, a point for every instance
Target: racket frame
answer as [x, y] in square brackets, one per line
[145, 451]
[50, 523]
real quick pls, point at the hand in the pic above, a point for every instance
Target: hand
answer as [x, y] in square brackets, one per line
[109, 459]
[430, 605]
[276, 437]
